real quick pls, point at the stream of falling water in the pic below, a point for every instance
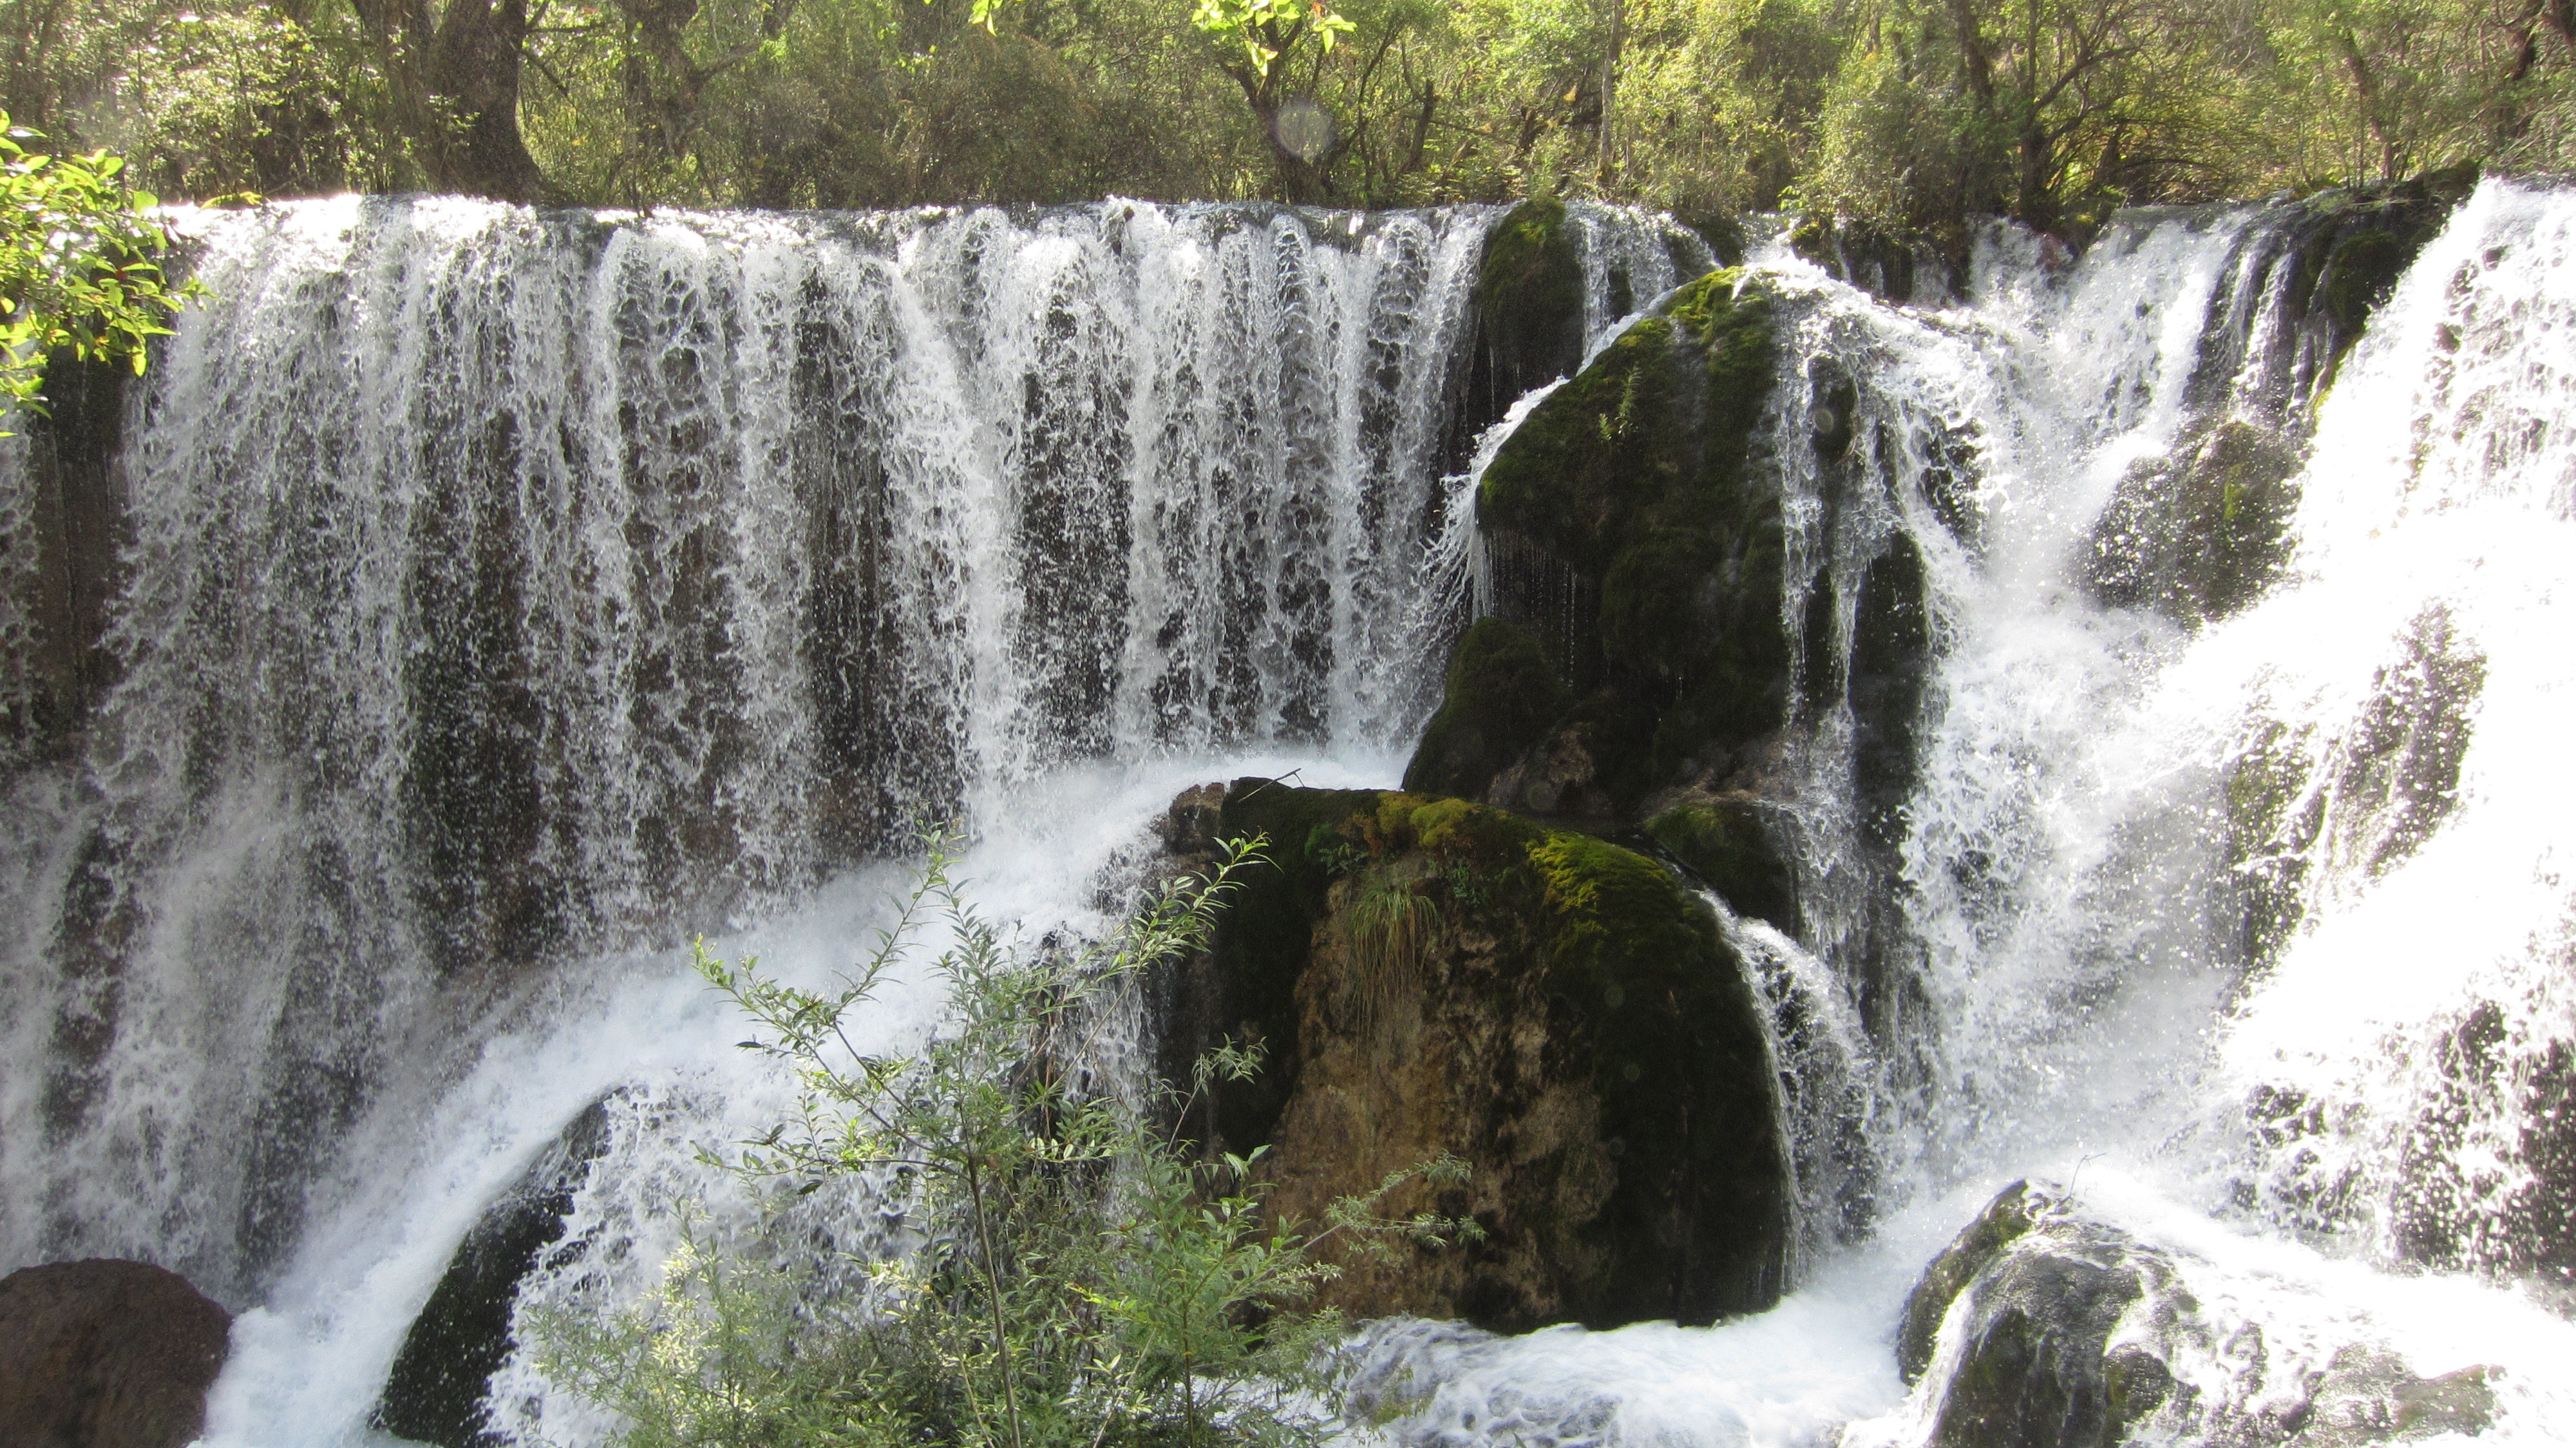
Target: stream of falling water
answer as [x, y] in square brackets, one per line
[705, 551]
[2298, 1124]
[512, 595]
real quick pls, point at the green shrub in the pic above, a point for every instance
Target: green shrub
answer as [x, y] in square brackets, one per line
[1087, 1280]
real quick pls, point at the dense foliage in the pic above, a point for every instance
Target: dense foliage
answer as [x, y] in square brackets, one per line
[79, 274]
[1887, 112]
[1082, 1276]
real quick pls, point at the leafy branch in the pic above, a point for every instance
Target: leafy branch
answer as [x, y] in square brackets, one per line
[77, 268]
[1081, 1278]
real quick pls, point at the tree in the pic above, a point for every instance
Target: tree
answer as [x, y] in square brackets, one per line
[452, 72]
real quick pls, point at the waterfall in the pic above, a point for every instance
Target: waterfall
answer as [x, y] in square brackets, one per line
[507, 596]
[2236, 912]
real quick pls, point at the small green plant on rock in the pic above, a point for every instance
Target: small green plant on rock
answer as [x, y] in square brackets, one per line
[1085, 1280]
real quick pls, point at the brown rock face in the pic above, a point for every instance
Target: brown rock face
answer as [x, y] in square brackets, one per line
[105, 1354]
[1436, 976]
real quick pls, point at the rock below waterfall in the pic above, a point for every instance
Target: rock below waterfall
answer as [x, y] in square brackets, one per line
[2201, 534]
[2040, 1327]
[105, 1354]
[1432, 975]
[440, 1380]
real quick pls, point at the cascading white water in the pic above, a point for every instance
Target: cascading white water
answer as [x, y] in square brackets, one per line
[2295, 1125]
[512, 593]
[505, 585]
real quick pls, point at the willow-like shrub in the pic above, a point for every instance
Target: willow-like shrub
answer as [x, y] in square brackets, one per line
[1085, 1278]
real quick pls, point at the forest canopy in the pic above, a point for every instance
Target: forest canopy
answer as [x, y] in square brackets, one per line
[1890, 114]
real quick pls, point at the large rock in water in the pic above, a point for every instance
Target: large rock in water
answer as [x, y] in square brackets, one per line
[439, 1387]
[1640, 556]
[1433, 975]
[1638, 662]
[2042, 1327]
[105, 1354]
[2200, 534]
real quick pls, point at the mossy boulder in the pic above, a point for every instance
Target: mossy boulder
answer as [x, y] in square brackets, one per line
[1728, 843]
[1435, 975]
[1528, 310]
[1503, 693]
[2360, 240]
[2043, 1326]
[2202, 533]
[1641, 549]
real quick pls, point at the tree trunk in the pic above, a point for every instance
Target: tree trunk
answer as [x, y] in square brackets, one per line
[1610, 87]
[1302, 178]
[474, 69]
[454, 80]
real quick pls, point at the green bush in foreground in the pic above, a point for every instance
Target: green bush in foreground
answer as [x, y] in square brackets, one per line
[1086, 1281]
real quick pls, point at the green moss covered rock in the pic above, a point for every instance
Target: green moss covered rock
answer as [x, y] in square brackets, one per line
[1727, 843]
[2200, 534]
[1503, 693]
[1435, 975]
[1647, 553]
[2360, 240]
[1528, 309]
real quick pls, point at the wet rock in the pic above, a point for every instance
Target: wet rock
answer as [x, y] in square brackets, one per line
[2042, 1326]
[2365, 797]
[1914, 266]
[2004, 1221]
[2203, 533]
[1529, 313]
[57, 660]
[1642, 553]
[1727, 841]
[2367, 1395]
[105, 1354]
[2501, 1101]
[1502, 695]
[1435, 975]
[440, 1379]
[2363, 239]
[1891, 656]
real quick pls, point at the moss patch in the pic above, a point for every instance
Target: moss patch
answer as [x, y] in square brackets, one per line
[1529, 310]
[1503, 693]
[2361, 270]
